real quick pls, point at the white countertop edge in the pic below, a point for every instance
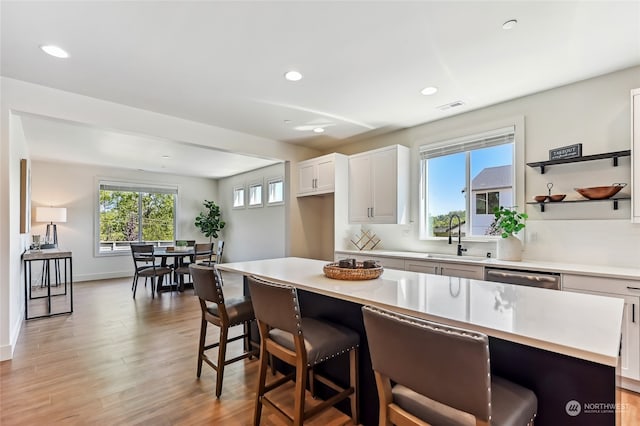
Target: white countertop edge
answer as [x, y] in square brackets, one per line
[609, 358]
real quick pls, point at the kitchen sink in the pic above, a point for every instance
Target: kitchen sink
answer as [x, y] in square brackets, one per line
[437, 256]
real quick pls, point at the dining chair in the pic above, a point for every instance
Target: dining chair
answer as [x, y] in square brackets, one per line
[218, 255]
[144, 262]
[224, 313]
[431, 373]
[303, 343]
[201, 251]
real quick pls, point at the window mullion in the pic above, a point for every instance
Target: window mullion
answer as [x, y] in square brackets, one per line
[139, 217]
[468, 193]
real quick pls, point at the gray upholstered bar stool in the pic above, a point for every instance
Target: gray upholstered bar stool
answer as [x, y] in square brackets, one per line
[441, 374]
[303, 343]
[207, 284]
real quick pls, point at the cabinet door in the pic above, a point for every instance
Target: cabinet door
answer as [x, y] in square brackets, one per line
[423, 266]
[462, 271]
[325, 177]
[384, 178]
[306, 177]
[630, 344]
[360, 189]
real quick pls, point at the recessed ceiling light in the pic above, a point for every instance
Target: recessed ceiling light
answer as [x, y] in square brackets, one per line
[509, 24]
[293, 76]
[165, 156]
[287, 121]
[429, 90]
[56, 51]
[318, 130]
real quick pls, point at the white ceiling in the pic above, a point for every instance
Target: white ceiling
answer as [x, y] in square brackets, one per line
[364, 62]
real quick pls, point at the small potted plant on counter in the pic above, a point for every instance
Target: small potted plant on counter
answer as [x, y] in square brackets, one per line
[508, 222]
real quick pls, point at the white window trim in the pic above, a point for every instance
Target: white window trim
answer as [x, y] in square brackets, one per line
[130, 184]
[244, 197]
[255, 184]
[270, 181]
[442, 140]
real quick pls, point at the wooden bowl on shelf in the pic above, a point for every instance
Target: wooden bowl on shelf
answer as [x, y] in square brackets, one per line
[557, 197]
[540, 198]
[601, 192]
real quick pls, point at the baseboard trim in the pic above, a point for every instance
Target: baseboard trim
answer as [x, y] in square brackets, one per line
[102, 276]
[6, 351]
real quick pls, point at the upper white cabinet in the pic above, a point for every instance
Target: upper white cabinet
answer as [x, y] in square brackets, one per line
[379, 186]
[317, 175]
[635, 155]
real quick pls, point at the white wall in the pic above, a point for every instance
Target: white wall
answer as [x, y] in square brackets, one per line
[594, 112]
[253, 232]
[75, 187]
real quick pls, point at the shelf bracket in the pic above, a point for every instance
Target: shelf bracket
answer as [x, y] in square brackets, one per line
[542, 172]
[615, 204]
[541, 207]
[615, 161]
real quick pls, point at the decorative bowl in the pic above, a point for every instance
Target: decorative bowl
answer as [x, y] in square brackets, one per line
[557, 197]
[333, 270]
[601, 192]
[540, 198]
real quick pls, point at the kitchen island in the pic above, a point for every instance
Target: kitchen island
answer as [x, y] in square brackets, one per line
[563, 346]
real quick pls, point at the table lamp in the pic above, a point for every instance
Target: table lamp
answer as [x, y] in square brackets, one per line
[51, 215]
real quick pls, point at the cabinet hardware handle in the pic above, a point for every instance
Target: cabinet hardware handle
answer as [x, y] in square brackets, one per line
[633, 312]
[633, 288]
[371, 211]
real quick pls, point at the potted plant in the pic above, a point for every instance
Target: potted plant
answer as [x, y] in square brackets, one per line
[508, 222]
[209, 222]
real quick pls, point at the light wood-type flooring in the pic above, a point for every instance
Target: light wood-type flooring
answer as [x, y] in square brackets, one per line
[119, 361]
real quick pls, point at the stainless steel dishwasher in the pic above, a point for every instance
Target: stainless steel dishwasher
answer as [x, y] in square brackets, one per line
[550, 280]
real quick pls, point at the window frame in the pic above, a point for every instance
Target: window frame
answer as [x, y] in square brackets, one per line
[268, 184]
[445, 142]
[131, 186]
[244, 197]
[255, 184]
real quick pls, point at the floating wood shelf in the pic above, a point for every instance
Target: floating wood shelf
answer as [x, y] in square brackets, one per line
[614, 155]
[614, 200]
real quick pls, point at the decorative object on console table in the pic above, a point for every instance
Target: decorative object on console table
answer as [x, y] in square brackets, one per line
[565, 152]
[53, 215]
[368, 240]
[507, 223]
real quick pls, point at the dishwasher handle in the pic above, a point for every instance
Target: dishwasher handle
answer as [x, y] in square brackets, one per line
[523, 278]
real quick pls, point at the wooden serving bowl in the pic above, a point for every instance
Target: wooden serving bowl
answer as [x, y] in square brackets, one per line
[540, 198]
[557, 197]
[600, 192]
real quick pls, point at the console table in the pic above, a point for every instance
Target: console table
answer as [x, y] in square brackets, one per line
[63, 276]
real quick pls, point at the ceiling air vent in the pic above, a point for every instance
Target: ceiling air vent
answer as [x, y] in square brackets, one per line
[454, 104]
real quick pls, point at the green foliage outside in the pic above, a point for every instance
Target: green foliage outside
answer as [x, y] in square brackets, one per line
[440, 223]
[120, 216]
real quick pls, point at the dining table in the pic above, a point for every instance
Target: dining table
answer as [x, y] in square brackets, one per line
[177, 257]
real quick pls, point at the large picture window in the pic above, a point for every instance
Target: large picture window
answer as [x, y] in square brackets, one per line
[467, 177]
[130, 213]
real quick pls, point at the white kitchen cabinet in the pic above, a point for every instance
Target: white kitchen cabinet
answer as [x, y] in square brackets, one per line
[450, 269]
[317, 175]
[379, 186]
[635, 156]
[628, 290]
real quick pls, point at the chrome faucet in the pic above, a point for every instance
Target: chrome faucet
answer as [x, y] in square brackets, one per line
[460, 249]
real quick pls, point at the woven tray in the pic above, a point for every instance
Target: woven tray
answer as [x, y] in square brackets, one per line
[332, 270]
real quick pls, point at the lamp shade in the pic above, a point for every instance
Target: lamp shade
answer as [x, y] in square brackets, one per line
[51, 214]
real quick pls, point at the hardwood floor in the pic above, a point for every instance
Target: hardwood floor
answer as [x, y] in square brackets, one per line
[121, 361]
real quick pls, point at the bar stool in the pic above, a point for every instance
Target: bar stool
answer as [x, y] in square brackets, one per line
[441, 375]
[207, 284]
[303, 343]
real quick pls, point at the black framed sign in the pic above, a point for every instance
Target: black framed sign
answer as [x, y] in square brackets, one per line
[569, 151]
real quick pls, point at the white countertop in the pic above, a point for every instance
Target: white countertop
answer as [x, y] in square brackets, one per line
[579, 325]
[537, 265]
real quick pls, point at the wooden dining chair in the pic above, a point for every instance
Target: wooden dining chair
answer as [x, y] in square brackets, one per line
[144, 262]
[201, 252]
[217, 258]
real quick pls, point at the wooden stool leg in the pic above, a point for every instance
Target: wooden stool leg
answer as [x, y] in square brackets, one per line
[262, 377]
[301, 387]
[203, 336]
[222, 349]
